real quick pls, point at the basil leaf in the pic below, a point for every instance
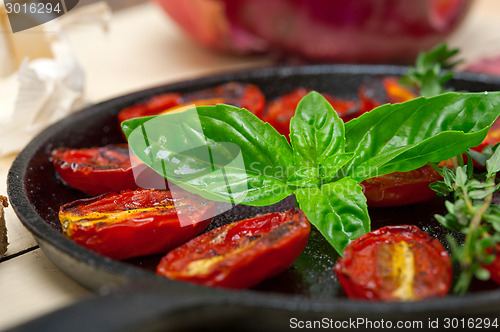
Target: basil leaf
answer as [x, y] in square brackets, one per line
[406, 136]
[316, 134]
[440, 147]
[337, 209]
[220, 152]
[331, 166]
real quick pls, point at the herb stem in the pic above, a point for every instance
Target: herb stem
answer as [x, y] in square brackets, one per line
[476, 219]
[455, 162]
[466, 275]
[460, 158]
[468, 202]
[436, 168]
[463, 281]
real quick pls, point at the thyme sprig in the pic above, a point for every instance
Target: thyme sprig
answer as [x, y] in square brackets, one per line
[473, 214]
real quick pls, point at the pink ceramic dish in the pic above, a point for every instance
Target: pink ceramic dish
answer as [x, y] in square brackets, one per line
[369, 31]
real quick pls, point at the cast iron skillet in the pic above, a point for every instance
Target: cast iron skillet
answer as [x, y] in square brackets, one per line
[308, 290]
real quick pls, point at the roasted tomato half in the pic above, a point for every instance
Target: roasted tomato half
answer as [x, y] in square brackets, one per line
[281, 110]
[99, 170]
[241, 254]
[397, 93]
[135, 222]
[400, 263]
[400, 188]
[152, 106]
[95, 170]
[243, 95]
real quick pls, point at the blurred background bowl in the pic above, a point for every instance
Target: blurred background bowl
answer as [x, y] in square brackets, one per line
[362, 31]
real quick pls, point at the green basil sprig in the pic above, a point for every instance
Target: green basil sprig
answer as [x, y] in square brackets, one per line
[432, 70]
[228, 154]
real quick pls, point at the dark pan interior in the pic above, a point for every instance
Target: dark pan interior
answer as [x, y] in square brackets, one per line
[308, 286]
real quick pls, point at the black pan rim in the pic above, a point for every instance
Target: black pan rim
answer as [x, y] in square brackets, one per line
[42, 231]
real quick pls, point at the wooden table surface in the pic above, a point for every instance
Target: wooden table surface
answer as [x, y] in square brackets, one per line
[124, 60]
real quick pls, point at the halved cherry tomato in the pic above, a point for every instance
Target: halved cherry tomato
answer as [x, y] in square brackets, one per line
[397, 93]
[153, 106]
[135, 222]
[95, 170]
[99, 170]
[400, 188]
[395, 263]
[241, 254]
[494, 267]
[282, 109]
[242, 95]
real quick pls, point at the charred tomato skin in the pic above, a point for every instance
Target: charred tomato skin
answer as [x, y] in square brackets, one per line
[395, 263]
[241, 254]
[242, 95]
[95, 170]
[99, 170]
[281, 110]
[400, 188]
[135, 222]
[152, 106]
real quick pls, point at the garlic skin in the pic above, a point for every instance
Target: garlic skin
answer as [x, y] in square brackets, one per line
[41, 80]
